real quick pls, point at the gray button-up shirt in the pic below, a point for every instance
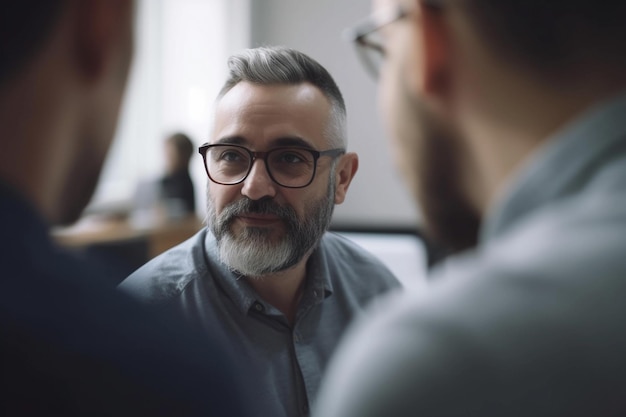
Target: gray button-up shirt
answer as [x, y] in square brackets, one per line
[287, 361]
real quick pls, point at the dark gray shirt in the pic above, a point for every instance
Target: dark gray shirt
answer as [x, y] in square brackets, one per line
[287, 361]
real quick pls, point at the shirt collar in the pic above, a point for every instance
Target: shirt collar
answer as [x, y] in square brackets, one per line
[317, 285]
[559, 168]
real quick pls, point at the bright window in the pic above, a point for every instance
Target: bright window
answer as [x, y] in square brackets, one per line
[181, 47]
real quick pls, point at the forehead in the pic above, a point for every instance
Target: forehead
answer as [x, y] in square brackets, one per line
[262, 116]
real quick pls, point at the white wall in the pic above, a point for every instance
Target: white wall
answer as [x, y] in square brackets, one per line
[377, 197]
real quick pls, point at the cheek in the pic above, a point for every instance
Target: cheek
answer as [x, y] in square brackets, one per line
[297, 201]
[301, 200]
[399, 80]
[392, 107]
[221, 196]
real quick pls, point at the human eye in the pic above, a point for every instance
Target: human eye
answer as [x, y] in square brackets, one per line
[230, 155]
[292, 156]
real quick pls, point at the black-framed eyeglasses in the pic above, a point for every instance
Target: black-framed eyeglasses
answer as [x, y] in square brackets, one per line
[366, 36]
[290, 167]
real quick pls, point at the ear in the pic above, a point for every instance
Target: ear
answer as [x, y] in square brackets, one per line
[103, 29]
[430, 32]
[345, 170]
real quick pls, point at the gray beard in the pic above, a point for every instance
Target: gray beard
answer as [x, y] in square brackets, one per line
[253, 253]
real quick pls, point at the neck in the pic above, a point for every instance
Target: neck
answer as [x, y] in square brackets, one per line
[283, 289]
[502, 141]
[506, 111]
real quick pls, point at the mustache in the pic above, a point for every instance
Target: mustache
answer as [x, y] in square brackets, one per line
[265, 206]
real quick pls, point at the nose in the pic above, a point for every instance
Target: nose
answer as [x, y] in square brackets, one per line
[258, 184]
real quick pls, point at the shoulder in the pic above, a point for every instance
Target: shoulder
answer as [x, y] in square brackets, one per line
[76, 333]
[562, 239]
[343, 249]
[352, 263]
[167, 275]
[538, 308]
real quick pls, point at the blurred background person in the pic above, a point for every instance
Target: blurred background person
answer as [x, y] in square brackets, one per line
[176, 187]
[170, 197]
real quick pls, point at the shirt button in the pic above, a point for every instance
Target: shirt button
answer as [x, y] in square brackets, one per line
[258, 307]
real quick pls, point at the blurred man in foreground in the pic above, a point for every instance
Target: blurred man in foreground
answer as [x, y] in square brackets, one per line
[283, 289]
[71, 345]
[509, 120]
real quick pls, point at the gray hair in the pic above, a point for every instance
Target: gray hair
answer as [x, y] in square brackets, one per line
[280, 65]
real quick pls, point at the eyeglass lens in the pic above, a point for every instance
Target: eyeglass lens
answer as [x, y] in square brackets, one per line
[289, 167]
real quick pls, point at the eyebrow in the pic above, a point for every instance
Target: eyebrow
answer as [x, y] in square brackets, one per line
[231, 140]
[278, 142]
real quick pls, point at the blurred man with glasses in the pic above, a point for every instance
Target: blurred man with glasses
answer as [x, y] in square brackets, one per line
[265, 268]
[509, 124]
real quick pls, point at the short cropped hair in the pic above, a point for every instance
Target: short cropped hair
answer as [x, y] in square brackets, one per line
[554, 37]
[279, 65]
[24, 27]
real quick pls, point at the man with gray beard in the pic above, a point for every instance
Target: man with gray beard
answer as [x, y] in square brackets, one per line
[265, 269]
